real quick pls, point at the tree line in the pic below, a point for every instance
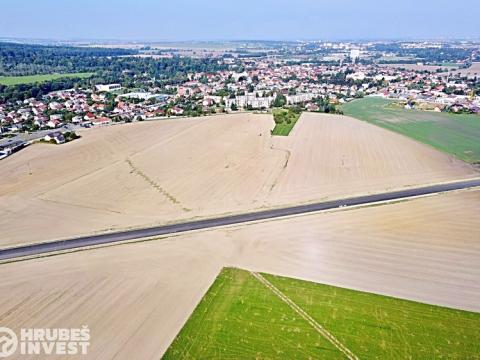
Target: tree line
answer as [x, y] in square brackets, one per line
[109, 66]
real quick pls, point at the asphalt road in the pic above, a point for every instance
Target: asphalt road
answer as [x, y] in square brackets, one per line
[47, 247]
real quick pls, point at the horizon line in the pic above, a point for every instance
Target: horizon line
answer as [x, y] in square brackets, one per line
[236, 40]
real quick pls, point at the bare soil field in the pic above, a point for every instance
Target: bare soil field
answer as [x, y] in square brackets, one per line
[136, 297]
[336, 156]
[152, 173]
[416, 67]
[470, 72]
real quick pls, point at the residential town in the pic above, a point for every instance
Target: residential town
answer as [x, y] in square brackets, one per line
[250, 84]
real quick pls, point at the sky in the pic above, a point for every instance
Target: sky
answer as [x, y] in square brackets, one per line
[181, 20]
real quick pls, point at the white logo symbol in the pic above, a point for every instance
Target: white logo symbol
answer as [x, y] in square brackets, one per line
[8, 342]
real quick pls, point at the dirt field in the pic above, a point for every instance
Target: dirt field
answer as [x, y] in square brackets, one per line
[470, 72]
[151, 173]
[416, 67]
[332, 156]
[426, 250]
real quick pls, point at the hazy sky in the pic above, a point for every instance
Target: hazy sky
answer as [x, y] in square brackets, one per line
[242, 19]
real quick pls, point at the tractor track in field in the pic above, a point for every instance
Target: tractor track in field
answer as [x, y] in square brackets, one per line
[319, 328]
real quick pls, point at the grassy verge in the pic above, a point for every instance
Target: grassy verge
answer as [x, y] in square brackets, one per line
[240, 318]
[285, 120]
[456, 134]
[17, 80]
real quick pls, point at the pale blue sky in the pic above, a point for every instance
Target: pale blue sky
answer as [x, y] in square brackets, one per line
[243, 19]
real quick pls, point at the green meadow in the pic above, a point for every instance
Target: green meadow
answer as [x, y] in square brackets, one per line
[455, 134]
[17, 80]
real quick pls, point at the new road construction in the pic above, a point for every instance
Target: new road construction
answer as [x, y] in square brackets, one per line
[113, 237]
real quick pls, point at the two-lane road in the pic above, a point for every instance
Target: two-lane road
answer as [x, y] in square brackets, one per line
[48, 247]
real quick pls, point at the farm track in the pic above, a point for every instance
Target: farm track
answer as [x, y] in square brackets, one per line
[319, 328]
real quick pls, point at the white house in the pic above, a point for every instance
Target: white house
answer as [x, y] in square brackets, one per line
[77, 119]
[53, 123]
[57, 136]
[101, 121]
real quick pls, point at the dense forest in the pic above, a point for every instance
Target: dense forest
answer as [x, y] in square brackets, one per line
[22, 59]
[109, 65]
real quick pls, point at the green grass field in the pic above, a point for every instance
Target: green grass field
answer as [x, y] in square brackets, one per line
[456, 134]
[240, 318]
[17, 80]
[393, 59]
[285, 120]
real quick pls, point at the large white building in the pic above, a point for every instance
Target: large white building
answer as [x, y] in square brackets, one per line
[357, 76]
[354, 54]
[299, 98]
[250, 100]
[108, 87]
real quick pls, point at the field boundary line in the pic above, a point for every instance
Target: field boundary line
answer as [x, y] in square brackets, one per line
[319, 328]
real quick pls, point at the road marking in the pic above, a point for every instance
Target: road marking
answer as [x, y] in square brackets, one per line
[320, 329]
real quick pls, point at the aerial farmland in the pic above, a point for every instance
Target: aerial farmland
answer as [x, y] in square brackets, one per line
[421, 250]
[181, 198]
[141, 174]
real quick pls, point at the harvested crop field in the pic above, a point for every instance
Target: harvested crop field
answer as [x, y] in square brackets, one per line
[470, 72]
[426, 249]
[151, 173]
[417, 67]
